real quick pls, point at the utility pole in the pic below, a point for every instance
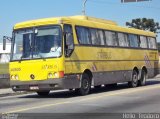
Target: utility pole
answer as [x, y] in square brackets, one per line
[84, 7]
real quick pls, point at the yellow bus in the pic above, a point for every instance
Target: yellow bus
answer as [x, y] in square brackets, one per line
[78, 52]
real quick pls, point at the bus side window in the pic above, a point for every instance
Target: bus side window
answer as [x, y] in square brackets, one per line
[152, 43]
[94, 37]
[69, 41]
[111, 38]
[101, 36]
[133, 41]
[123, 40]
[83, 35]
[143, 42]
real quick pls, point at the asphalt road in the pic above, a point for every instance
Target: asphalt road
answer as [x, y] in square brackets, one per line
[119, 100]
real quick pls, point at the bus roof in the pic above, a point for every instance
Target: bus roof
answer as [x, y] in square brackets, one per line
[83, 21]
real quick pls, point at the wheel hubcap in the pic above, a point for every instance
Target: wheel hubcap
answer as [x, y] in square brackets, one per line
[135, 79]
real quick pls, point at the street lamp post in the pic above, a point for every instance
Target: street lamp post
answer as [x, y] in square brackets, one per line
[84, 7]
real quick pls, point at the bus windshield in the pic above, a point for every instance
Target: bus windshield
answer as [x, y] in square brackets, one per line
[37, 43]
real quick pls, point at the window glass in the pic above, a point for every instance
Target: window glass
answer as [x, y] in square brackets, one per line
[152, 43]
[123, 40]
[83, 35]
[143, 42]
[45, 43]
[101, 36]
[133, 40]
[111, 39]
[94, 37]
[69, 36]
[48, 43]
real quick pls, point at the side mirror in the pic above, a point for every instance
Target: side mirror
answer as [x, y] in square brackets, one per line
[4, 43]
[5, 38]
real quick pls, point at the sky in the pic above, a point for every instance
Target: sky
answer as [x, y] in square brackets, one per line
[14, 11]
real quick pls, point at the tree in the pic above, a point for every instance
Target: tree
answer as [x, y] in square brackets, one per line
[144, 24]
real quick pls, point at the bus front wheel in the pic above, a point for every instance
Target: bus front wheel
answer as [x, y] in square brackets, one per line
[43, 93]
[85, 86]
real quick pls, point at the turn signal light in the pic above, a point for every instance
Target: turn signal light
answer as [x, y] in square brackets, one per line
[61, 74]
[50, 75]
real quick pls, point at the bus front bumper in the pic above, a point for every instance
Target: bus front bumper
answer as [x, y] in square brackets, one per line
[70, 82]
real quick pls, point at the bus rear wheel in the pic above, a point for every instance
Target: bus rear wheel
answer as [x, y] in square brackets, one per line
[43, 93]
[85, 85]
[142, 81]
[134, 81]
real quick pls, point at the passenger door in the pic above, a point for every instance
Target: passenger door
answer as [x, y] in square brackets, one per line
[68, 48]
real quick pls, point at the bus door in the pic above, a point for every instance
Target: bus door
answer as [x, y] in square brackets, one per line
[68, 48]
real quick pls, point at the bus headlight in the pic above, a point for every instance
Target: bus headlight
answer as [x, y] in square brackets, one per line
[50, 75]
[56, 75]
[16, 77]
[12, 77]
[59, 74]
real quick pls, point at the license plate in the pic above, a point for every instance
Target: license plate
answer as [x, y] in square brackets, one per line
[34, 87]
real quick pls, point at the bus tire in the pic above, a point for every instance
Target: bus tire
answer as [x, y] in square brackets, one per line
[43, 93]
[134, 82]
[85, 85]
[142, 81]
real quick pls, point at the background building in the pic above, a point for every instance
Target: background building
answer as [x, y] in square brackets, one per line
[4, 67]
[5, 54]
